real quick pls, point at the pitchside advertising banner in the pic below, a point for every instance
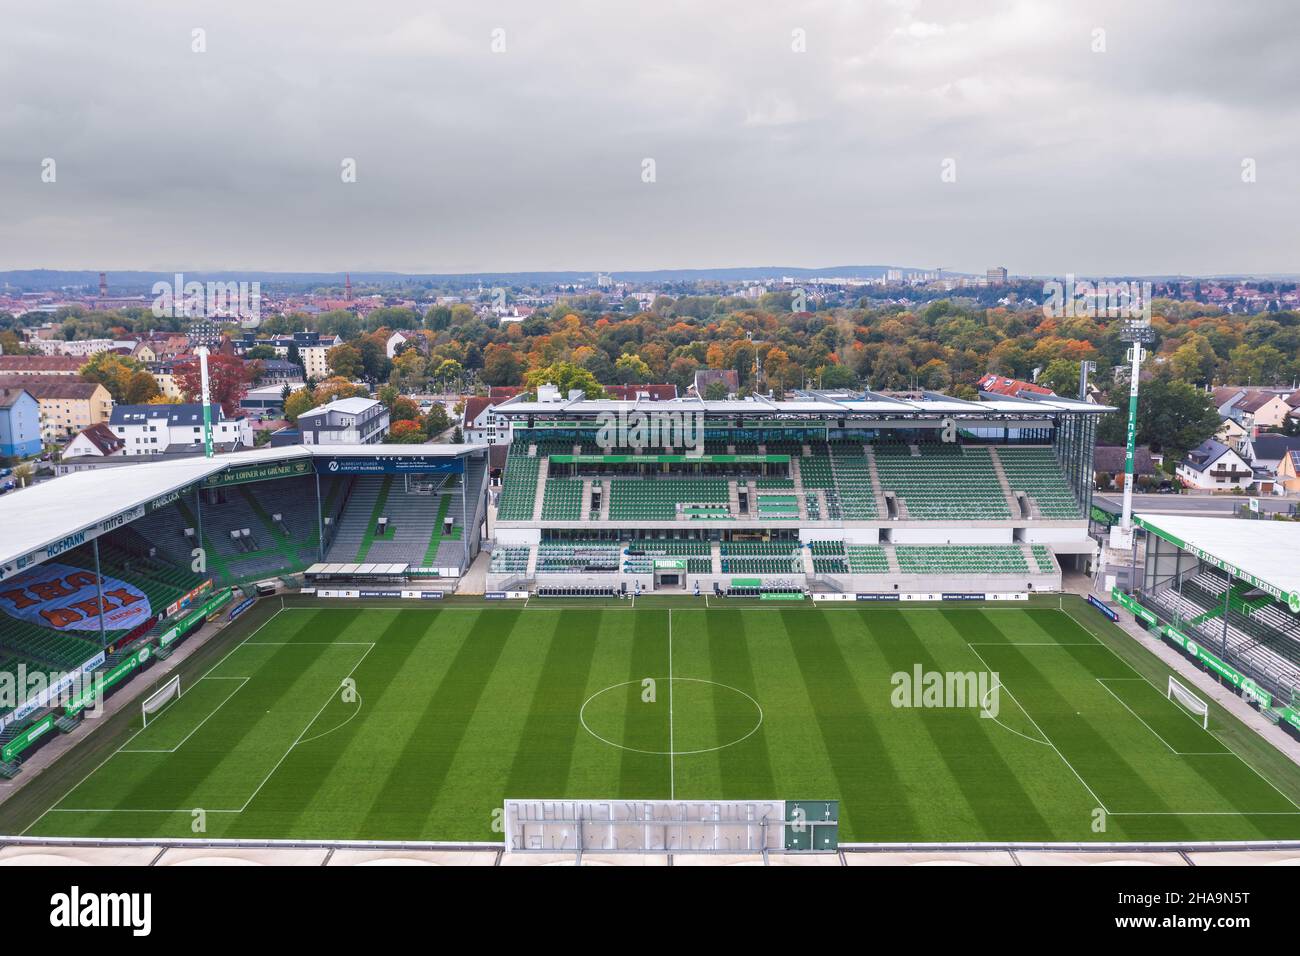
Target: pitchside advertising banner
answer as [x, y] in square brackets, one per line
[1103, 608]
[390, 465]
[63, 598]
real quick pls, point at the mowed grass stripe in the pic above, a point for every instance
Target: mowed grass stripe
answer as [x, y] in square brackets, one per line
[1205, 767]
[645, 776]
[419, 770]
[931, 791]
[311, 771]
[744, 769]
[541, 764]
[873, 796]
[1115, 780]
[240, 734]
[991, 790]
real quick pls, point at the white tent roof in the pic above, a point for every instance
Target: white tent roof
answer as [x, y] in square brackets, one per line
[1263, 550]
[62, 508]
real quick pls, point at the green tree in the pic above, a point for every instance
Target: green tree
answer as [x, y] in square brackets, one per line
[1173, 417]
[565, 376]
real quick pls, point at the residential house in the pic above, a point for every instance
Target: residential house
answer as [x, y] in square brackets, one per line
[20, 423]
[1233, 434]
[707, 376]
[480, 423]
[1267, 452]
[1287, 475]
[344, 421]
[67, 405]
[96, 441]
[163, 429]
[1213, 466]
[40, 365]
[1108, 465]
[1012, 387]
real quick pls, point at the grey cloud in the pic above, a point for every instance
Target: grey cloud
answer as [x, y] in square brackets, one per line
[1126, 161]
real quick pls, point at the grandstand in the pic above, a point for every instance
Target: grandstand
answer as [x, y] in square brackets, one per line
[97, 576]
[1227, 593]
[860, 492]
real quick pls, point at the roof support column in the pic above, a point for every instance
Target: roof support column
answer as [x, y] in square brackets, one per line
[320, 522]
[99, 589]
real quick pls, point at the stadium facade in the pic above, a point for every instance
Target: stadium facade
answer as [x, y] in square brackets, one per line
[1226, 594]
[100, 572]
[863, 494]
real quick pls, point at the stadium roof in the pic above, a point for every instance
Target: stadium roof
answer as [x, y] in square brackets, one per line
[1263, 553]
[59, 514]
[817, 404]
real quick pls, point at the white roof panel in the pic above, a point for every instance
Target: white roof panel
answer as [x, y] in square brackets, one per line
[1264, 550]
[37, 517]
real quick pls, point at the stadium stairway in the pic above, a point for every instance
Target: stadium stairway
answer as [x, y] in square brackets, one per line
[543, 469]
[354, 521]
[412, 525]
[1013, 500]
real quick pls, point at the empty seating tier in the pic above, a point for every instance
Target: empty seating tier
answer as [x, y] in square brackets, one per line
[867, 559]
[509, 561]
[961, 559]
[519, 486]
[1043, 559]
[1037, 473]
[663, 499]
[761, 557]
[562, 500]
[943, 482]
[567, 557]
[640, 555]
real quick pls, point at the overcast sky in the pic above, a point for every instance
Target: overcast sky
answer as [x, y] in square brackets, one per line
[1126, 161]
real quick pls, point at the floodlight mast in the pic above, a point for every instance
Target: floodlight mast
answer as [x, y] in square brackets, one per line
[1136, 331]
[202, 353]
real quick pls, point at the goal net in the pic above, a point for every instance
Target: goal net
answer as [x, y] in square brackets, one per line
[159, 698]
[1189, 702]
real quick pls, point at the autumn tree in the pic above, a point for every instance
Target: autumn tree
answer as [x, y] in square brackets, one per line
[228, 379]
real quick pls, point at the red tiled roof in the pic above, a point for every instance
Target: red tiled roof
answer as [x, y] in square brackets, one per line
[474, 406]
[40, 363]
[998, 385]
[102, 437]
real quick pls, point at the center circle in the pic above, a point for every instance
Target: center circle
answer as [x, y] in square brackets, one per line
[685, 715]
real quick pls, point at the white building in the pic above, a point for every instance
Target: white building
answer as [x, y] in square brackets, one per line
[345, 421]
[160, 429]
[1213, 466]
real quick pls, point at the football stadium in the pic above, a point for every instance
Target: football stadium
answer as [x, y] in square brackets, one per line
[741, 626]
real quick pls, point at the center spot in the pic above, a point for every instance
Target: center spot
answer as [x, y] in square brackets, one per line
[689, 715]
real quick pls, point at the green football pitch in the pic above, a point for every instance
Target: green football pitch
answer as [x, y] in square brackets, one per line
[388, 723]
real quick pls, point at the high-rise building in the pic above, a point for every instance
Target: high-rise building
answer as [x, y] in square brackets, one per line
[997, 275]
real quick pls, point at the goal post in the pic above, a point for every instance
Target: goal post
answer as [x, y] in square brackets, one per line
[1182, 696]
[159, 698]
